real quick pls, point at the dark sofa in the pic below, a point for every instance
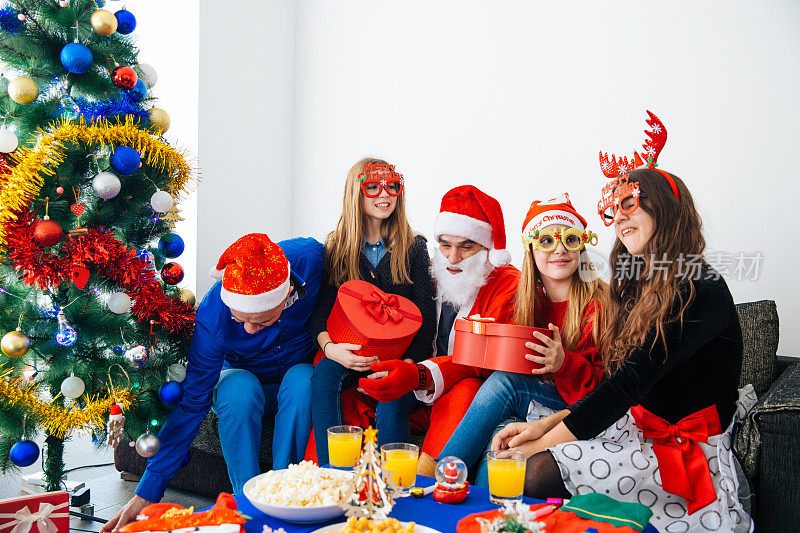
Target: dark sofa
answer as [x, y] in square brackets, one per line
[768, 442]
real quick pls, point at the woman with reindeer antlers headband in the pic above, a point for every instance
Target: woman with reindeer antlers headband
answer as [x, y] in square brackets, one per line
[657, 430]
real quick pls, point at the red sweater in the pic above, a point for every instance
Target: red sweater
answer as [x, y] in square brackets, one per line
[583, 368]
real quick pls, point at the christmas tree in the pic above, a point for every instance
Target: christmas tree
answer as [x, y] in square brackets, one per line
[91, 318]
[370, 493]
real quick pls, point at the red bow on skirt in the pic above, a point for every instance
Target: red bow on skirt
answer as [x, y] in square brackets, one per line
[683, 465]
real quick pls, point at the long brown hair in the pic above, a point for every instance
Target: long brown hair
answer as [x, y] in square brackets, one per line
[343, 245]
[581, 294]
[645, 292]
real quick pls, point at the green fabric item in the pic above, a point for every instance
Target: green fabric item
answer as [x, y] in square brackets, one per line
[602, 508]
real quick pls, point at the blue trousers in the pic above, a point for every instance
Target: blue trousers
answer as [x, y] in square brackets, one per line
[329, 380]
[241, 400]
[504, 396]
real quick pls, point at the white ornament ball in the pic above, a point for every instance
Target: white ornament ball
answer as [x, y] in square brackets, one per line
[147, 445]
[161, 201]
[176, 372]
[8, 141]
[147, 74]
[106, 185]
[119, 303]
[72, 387]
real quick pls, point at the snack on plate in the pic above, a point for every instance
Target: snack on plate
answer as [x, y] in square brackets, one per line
[301, 485]
[367, 525]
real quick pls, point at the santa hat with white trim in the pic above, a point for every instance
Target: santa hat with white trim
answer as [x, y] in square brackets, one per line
[554, 211]
[254, 273]
[470, 213]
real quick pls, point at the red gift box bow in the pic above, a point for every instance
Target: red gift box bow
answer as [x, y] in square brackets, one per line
[24, 519]
[683, 465]
[479, 323]
[382, 306]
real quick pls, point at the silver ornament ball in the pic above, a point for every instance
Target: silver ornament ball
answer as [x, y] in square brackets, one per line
[176, 372]
[147, 74]
[147, 445]
[72, 387]
[106, 185]
[8, 141]
[137, 356]
[161, 201]
[119, 303]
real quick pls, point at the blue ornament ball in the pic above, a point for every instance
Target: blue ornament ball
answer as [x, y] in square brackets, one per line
[171, 392]
[24, 453]
[76, 58]
[139, 90]
[125, 160]
[126, 22]
[170, 245]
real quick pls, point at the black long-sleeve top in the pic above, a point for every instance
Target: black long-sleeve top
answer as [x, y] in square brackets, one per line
[701, 368]
[421, 291]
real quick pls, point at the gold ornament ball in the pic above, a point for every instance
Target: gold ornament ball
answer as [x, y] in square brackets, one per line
[187, 296]
[159, 118]
[23, 90]
[15, 344]
[104, 22]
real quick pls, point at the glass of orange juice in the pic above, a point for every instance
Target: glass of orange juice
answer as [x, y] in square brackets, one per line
[506, 475]
[400, 459]
[344, 445]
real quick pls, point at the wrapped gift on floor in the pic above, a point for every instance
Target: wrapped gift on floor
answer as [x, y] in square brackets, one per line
[383, 324]
[41, 513]
[481, 342]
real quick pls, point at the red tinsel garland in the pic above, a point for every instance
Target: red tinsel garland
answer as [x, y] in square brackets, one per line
[113, 260]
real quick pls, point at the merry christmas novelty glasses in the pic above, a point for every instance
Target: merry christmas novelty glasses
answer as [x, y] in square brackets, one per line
[547, 239]
[377, 176]
[622, 193]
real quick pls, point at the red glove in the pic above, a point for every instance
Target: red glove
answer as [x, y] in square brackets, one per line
[403, 378]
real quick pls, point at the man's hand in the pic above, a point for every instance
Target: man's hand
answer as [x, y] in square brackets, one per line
[343, 354]
[553, 355]
[402, 378]
[516, 434]
[126, 514]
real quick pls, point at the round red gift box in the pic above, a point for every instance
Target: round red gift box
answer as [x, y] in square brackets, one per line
[383, 324]
[482, 343]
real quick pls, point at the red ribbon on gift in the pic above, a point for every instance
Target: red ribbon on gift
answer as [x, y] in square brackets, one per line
[383, 307]
[683, 465]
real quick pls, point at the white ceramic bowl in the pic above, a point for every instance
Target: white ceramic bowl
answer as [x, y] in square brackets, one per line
[291, 513]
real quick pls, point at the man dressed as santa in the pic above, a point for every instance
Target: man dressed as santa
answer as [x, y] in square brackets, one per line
[473, 276]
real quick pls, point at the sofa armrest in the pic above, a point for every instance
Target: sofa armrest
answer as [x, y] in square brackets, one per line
[785, 361]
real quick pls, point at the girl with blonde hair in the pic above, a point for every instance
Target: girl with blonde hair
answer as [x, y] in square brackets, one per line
[374, 242]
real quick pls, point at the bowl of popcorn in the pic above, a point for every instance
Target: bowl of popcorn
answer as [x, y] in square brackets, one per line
[302, 493]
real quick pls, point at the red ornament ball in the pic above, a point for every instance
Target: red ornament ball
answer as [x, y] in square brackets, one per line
[172, 273]
[60, 190]
[124, 77]
[47, 233]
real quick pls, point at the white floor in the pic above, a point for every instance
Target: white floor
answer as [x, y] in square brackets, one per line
[108, 491]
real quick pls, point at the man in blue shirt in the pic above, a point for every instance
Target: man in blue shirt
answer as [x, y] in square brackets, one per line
[250, 354]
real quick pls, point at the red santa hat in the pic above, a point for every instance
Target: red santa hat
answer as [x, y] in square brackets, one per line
[472, 214]
[554, 211]
[254, 273]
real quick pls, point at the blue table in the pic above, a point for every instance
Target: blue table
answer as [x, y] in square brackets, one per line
[425, 511]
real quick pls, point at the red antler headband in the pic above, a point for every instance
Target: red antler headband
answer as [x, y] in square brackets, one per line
[652, 147]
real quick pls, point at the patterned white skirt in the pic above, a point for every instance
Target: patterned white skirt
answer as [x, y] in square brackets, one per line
[621, 463]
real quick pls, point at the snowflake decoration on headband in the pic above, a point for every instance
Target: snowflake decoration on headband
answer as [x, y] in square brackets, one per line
[621, 190]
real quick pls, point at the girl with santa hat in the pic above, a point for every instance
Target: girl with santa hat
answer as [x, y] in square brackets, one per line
[374, 242]
[558, 290]
[654, 431]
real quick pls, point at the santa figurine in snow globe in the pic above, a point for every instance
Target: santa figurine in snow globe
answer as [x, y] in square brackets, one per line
[451, 481]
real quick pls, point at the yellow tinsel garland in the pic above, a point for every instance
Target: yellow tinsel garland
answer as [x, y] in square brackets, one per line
[58, 420]
[25, 180]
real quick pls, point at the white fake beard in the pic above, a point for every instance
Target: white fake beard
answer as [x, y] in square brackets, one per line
[462, 288]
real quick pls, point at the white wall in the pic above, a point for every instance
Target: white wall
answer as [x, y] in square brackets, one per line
[246, 83]
[517, 97]
[173, 50]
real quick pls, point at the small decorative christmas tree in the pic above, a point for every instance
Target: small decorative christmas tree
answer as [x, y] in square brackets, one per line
[369, 493]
